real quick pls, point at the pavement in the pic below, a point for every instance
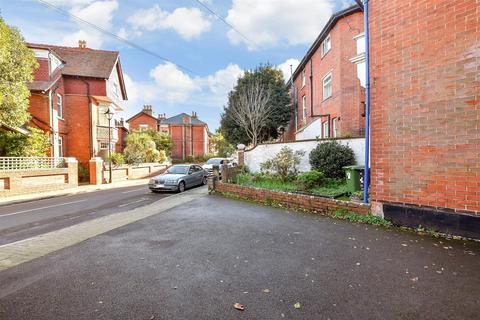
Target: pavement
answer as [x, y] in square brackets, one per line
[197, 256]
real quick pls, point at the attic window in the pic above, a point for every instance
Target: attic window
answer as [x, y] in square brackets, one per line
[116, 90]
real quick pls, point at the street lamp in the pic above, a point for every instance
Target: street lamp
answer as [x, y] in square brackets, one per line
[109, 113]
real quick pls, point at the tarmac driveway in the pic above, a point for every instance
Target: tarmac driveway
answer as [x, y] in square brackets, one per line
[198, 259]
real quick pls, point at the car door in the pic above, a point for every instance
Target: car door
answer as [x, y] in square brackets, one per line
[190, 177]
[199, 174]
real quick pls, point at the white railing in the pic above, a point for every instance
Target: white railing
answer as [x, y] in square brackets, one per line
[31, 163]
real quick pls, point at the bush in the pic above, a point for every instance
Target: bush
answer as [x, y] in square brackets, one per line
[189, 159]
[83, 175]
[117, 158]
[34, 144]
[284, 163]
[330, 158]
[311, 179]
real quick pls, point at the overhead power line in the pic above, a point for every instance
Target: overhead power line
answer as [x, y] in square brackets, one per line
[223, 20]
[126, 41]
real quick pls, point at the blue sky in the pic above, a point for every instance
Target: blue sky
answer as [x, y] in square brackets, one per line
[274, 31]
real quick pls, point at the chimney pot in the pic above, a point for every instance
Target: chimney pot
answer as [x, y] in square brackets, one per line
[82, 44]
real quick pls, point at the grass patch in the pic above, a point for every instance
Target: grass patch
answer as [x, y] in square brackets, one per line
[271, 182]
[355, 217]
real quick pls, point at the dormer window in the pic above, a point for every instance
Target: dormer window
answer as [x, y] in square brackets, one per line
[326, 45]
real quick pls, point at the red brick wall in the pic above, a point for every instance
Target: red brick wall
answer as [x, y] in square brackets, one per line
[425, 103]
[347, 93]
[292, 200]
[42, 72]
[198, 141]
[177, 136]
[121, 143]
[77, 115]
[74, 85]
[182, 140]
[142, 119]
[38, 107]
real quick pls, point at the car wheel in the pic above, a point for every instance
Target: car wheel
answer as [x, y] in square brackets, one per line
[181, 186]
[204, 181]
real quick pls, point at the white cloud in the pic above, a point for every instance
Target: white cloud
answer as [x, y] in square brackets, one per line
[221, 82]
[286, 69]
[172, 83]
[189, 23]
[99, 13]
[346, 3]
[271, 23]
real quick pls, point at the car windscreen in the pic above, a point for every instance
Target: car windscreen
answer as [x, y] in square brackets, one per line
[178, 170]
[214, 161]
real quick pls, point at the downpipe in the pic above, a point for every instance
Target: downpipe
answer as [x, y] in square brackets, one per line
[367, 103]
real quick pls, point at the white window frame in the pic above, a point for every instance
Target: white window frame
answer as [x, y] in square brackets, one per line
[304, 110]
[143, 126]
[327, 81]
[325, 131]
[326, 45]
[335, 127]
[60, 146]
[104, 145]
[304, 78]
[59, 106]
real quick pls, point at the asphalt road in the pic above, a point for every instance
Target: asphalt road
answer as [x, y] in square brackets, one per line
[196, 260]
[23, 220]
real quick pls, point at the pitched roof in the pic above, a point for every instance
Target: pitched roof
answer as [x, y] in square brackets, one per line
[86, 62]
[142, 112]
[324, 33]
[178, 119]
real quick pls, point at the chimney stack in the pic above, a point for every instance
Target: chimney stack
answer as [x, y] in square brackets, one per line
[194, 115]
[82, 44]
[162, 116]
[148, 109]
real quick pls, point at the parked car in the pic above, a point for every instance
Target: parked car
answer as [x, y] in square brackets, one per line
[178, 178]
[208, 166]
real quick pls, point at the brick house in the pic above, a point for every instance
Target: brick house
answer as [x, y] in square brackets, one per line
[122, 131]
[71, 91]
[425, 111]
[329, 83]
[143, 120]
[189, 134]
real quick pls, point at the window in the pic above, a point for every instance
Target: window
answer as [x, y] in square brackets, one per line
[326, 45]
[116, 90]
[327, 86]
[304, 110]
[326, 134]
[335, 127]
[143, 126]
[303, 78]
[60, 147]
[104, 146]
[59, 106]
[360, 41]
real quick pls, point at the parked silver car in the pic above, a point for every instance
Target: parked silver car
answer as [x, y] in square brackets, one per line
[208, 166]
[178, 178]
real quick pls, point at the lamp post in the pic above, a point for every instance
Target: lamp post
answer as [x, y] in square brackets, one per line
[109, 113]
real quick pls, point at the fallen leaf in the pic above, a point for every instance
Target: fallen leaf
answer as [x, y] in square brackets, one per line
[297, 305]
[414, 279]
[152, 317]
[404, 244]
[266, 290]
[239, 306]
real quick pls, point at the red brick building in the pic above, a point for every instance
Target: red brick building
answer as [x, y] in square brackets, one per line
[328, 85]
[189, 134]
[122, 131]
[143, 120]
[70, 94]
[425, 112]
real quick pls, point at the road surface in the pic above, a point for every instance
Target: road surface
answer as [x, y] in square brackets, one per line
[23, 220]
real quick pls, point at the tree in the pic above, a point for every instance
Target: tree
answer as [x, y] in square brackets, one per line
[141, 147]
[17, 63]
[269, 82]
[219, 146]
[163, 141]
[34, 144]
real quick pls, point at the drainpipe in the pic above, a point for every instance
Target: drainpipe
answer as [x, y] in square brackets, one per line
[367, 103]
[312, 115]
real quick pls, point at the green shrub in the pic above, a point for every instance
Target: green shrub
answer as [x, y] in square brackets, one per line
[330, 158]
[34, 144]
[311, 179]
[284, 164]
[189, 159]
[117, 158]
[83, 175]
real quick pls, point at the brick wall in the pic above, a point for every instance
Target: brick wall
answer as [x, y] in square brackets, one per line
[187, 139]
[425, 66]
[347, 94]
[42, 73]
[292, 200]
[77, 115]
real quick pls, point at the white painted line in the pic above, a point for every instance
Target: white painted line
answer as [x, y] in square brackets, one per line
[133, 202]
[41, 208]
[141, 189]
